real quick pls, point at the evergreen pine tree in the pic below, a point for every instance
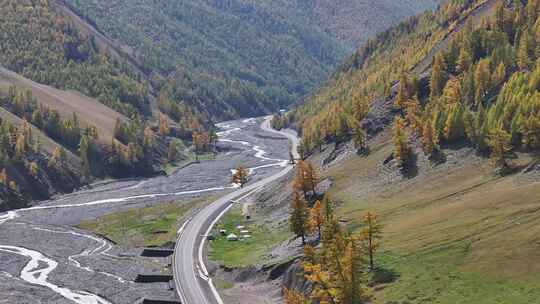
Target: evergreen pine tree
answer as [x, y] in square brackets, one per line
[438, 76]
[481, 80]
[401, 146]
[464, 60]
[429, 138]
[499, 141]
[523, 56]
[172, 153]
[316, 218]
[371, 234]
[299, 217]
[403, 91]
[83, 153]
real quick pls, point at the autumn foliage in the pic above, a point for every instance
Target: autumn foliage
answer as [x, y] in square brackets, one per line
[240, 176]
[299, 217]
[306, 178]
[337, 271]
[483, 86]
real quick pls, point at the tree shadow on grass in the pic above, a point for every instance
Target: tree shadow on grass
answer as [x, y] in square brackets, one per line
[410, 168]
[381, 275]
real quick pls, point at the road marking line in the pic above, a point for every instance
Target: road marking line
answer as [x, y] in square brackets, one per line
[179, 291]
[255, 187]
[214, 222]
[183, 226]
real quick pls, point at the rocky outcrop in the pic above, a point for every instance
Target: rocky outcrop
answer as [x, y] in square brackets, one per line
[10, 199]
[293, 277]
[382, 112]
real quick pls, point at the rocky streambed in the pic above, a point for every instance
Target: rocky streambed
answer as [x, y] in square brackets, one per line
[45, 259]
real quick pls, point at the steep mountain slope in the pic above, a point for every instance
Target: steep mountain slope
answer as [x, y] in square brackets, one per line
[481, 86]
[352, 22]
[453, 233]
[33, 176]
[74, 106]
[435, 126]
[43, 45]
[66, 103]
[241, 57]
[92, 89]
[371, 75]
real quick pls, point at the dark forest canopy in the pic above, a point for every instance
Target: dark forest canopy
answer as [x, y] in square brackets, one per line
[241, 58]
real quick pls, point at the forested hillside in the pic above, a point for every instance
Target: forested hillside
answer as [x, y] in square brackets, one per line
[34, 165]
[352, 22]
[111, 86]
[481, 85]
[71, 111]
[429, 136]
[374, 68]
[42, 45]
[241, 58]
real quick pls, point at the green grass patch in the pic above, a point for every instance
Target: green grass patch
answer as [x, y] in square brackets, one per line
[454, 235]
[222, 284]
[139, 227]
[245, 252]
[429, 278]
[186, 156]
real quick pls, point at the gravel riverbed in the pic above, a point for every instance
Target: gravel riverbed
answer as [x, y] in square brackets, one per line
[44, 259]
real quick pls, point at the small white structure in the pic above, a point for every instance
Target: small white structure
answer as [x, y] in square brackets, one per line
[247, 236]
[246, 210]
[244, 231]
[240, 227]
[223, 232]
[232, 237]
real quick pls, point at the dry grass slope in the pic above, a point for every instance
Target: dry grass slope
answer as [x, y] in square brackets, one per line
[48, 144]
[89, 110]
[455, 233]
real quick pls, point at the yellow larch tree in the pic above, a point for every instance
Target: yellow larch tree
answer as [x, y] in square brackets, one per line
[370, 235]
[240, 176]
[401, 145]
[299, 217]
[316, 217]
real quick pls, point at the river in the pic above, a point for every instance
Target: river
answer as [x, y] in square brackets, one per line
[45, 259]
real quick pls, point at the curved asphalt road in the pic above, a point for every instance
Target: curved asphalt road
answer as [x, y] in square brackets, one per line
[193, 285]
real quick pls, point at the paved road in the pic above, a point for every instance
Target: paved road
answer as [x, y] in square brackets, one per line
[191, 277]
[83, 268]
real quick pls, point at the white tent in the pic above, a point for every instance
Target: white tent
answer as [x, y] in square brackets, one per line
[232, 237]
